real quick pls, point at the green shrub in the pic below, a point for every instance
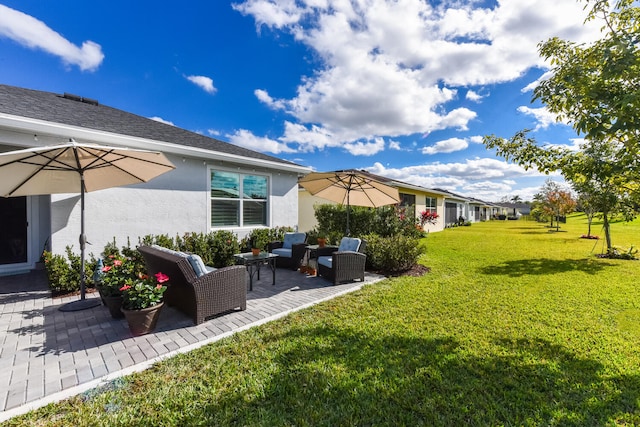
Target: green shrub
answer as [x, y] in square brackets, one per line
[392, 254]
[58, 273]
[215, 248]
[64, 273]
[221, 246]
[195, 243]
[384, 221]
[165, 241]
[261, 237]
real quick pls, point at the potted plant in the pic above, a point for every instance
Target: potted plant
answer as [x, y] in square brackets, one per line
[114, 273]
[142, 302]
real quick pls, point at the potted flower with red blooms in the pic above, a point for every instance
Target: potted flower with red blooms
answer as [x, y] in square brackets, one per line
[142, 301]
[116, 271]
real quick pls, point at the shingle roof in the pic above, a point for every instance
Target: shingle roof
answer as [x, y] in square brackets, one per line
[87, 113]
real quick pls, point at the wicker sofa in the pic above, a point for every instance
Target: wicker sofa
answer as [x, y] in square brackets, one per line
[214, 292]
[345, 264]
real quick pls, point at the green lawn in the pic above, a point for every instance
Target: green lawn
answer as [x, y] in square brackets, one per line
[514, 325]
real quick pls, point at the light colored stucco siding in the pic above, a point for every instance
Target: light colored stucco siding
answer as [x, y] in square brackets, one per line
[173, 204]
[284, 205]
[307, 211]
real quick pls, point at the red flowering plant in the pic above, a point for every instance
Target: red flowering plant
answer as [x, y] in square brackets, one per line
[428, 217]
[144, 291]
[116, 271]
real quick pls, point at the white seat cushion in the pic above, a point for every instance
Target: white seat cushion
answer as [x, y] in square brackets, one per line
[169, 251]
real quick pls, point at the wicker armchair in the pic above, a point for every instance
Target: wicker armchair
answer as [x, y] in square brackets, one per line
[290, 251]
[200, 297]
[345, 264]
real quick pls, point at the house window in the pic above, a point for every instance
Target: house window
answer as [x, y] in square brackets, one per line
[431, 205]
[238, 200]
[408, 201]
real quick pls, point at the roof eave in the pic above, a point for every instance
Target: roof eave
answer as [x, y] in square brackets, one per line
[60, 130]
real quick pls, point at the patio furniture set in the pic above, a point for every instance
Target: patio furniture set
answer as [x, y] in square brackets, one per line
[202, 292]
[337, 263]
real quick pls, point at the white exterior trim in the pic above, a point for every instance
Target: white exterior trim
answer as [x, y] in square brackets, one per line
[41, 129]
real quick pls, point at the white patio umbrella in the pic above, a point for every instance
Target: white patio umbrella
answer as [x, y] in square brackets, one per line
[350, 187]
[73, 168]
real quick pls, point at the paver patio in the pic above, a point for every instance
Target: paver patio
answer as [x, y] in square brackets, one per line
[47, 355]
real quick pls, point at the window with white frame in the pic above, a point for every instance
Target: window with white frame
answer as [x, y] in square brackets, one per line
[431, 204]
[238, 200]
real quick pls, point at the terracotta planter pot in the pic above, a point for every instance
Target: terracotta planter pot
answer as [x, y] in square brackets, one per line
[322, 242]
[114, 304]
[143, 321]
[255, 251]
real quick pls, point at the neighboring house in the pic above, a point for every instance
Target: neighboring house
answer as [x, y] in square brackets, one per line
[416, 198]
[455, 208]
[208, 190]
[514, 210]
[480, 210]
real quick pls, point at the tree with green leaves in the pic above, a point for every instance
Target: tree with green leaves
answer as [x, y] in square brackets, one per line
[596, 89]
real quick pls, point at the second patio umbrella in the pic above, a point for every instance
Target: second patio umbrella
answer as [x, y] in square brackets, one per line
[350, 187]
[73, 168]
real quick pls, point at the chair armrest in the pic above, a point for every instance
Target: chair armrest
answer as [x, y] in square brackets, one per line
[274, 245]
[221, 280]
[298, 251]
[348, 265]
[348, 254]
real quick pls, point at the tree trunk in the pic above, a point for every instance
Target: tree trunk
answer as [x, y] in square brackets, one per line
[607, 232]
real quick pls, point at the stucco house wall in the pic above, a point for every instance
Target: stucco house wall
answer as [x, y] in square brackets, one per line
[173, 203]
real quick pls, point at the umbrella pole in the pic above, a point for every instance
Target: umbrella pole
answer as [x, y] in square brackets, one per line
[82, 303]
[348, 231]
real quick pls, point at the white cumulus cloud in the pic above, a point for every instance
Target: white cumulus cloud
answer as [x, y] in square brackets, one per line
[446, 146]
[161, 120]
[205, 83]
[474, 96]
[544, 117]
[391, 69]
[245, 138]
[483, 178]
[35, 34]
[368, 148]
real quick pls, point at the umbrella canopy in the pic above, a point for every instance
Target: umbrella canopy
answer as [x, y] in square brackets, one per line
[350, 188]
[73, 168]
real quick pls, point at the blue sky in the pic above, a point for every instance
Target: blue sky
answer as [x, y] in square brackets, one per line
[403, 88]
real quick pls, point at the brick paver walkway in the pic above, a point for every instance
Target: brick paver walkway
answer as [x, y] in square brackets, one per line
[47, 355]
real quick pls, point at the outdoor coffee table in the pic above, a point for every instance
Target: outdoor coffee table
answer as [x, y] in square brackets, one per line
[253, 263]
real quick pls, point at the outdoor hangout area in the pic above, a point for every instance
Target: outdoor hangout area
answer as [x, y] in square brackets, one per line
[489, 336]
[48, 354]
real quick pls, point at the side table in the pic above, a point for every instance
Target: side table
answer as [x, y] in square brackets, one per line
[253, 263]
